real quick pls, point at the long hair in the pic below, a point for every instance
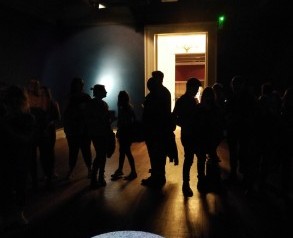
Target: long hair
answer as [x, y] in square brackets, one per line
[123, 99]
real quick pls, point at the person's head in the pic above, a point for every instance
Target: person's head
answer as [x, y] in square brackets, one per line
[238, 84]
[218, 89]
[159, 75]
[192, 86]
[33, 87]
[151, 84]
[46, 92]
[76, 85]
[99, 91]
[208, 96]
[123, 98]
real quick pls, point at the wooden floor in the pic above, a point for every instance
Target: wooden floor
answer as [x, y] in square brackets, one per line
[73, 210]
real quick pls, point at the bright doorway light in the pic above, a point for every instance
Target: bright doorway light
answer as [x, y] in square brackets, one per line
[168, 45]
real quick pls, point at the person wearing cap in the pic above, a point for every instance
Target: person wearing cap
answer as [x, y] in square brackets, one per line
[98, 122]
[185, 113]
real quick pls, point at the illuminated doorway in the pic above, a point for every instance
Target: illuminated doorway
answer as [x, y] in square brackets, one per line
[166, 44]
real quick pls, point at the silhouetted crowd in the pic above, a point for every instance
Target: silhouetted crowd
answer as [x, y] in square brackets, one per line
[27, 132]
[258, 130]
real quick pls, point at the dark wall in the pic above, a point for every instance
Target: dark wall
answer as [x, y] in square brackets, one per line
[257, 45]
[54, 54]
[24, 44]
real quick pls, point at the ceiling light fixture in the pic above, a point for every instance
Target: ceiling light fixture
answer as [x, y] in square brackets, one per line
[101, 6]
[96, 4]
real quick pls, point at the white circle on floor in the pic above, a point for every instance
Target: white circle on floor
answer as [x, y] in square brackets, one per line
[128, 234]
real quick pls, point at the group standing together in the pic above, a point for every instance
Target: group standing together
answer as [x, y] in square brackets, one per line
[255, 128]
[28, 120]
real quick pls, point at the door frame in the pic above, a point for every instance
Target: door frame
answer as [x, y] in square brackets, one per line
[150, 46]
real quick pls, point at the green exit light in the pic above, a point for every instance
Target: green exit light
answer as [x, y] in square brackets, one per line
[221, 20]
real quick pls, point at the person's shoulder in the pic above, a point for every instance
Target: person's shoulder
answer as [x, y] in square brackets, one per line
[181, 99]
[85, 96]
[185, 97]
[131, 107]
[104, 102]
[99, 103]
[166, 90]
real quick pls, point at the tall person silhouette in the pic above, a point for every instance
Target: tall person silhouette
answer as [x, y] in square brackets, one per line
[74, 126]
[157, 123]
[185, 113]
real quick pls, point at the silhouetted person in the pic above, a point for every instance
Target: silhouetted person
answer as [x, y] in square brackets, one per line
[126, 118]
[172, 151]
[240, 118]
[151, 84]
[185, 111]
[220, 96]
[53, 117]
[39, 107]
[212, 121]
[74, 126]
[209, 129]
[221, 101]
[98, 122]
[16, 139]
[158, 126]
[268, 128]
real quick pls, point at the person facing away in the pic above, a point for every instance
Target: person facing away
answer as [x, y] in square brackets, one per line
[209, 132]
[184, 113]
[172, 151]
[220, 95]
[74, 126]
[126, 118]
[241, 112]
[98, 123]
[157, 124]
[16, 140]
[39, 107]
[269, 136]
[221, 100]
[52, 118]
[211, 121]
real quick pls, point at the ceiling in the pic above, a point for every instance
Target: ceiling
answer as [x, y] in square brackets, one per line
[140, 12]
